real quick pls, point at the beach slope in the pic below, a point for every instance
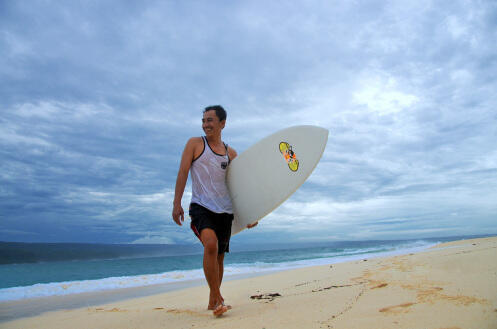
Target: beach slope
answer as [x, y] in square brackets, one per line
[453, 285]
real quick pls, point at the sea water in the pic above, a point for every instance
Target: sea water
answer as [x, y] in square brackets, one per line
[132, 266]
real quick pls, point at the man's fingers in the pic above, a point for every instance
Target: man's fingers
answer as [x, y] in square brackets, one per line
[252, 225]
[177, 220]
[178, 216]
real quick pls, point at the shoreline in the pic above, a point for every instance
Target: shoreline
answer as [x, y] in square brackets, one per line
[453, 284]
[28, 307]
[31, 307]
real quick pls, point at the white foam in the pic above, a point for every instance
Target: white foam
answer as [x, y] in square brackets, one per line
[75, 287]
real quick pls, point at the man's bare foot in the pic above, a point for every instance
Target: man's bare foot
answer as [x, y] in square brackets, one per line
[213, 303]
[221, 309]
[212, 307]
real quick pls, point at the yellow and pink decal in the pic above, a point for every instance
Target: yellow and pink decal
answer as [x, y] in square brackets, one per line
[289, 155]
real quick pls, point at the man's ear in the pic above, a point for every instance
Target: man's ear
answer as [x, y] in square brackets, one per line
[223, 123]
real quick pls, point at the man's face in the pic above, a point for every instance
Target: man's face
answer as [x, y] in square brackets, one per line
[211, 124]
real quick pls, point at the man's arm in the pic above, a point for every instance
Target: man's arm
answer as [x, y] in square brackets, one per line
[184, 168]
[231, 153]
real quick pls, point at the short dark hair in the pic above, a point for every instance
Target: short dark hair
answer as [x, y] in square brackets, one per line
[220, 112]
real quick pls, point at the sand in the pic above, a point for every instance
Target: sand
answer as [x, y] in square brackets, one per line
[453, 285]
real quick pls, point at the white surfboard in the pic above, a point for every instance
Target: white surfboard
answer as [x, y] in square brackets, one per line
[267, 173]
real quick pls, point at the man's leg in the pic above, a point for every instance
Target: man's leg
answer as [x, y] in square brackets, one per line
[212, 270]
[220, 262]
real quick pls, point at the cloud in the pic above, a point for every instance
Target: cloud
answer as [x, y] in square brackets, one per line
[154, 240]
[95, 112]
[382, 95]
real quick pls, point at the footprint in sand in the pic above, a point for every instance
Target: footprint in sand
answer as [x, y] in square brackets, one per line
[331, 287]
[115, 309]
[402, 308]
[382, 285]
[188, 312]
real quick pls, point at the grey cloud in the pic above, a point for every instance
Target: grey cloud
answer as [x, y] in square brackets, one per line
[93, 102]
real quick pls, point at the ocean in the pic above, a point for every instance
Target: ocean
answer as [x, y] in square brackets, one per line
[30, 271]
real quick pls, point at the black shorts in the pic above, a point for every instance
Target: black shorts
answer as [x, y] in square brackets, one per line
[219, 223]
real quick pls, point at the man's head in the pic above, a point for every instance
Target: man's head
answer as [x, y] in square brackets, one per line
[213, 120]
[220, 112]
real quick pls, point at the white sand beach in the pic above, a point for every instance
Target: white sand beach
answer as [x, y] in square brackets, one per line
[453, 285]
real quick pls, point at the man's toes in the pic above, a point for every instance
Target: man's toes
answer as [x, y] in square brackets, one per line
[220, 310]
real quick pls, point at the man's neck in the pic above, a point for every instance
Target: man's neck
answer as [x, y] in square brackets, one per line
[214, 140]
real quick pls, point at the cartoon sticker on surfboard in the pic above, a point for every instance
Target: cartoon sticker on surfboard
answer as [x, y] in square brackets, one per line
[289, 155]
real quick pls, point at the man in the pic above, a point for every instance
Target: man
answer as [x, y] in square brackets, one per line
[211, 211]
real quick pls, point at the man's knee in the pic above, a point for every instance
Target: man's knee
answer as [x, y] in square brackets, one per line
[209, 240]
[210, 246]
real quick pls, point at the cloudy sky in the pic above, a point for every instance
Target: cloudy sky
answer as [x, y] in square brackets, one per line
[98, 98]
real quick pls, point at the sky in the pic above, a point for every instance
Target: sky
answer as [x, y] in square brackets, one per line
[98, 98]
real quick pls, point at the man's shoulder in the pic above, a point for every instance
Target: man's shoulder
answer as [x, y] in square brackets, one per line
[195, 140]
[194, 143]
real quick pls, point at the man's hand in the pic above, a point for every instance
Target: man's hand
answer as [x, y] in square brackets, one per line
[252, 225]
[193, 144]
[178, 214]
